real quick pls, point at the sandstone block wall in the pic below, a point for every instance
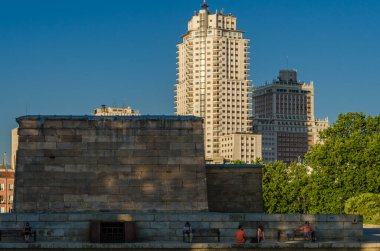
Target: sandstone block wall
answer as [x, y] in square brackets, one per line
[234, 188]
[87, 163]
[75, 227]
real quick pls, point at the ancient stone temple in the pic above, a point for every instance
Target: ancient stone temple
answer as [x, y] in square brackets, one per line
[88, 163]
[81, 180]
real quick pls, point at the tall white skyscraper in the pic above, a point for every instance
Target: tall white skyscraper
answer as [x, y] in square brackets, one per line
[213, 83]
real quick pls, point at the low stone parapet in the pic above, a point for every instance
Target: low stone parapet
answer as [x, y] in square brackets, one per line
[75, 227]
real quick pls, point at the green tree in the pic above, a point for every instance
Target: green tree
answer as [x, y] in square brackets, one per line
[285, 188]
[367, 204]
[346, 163]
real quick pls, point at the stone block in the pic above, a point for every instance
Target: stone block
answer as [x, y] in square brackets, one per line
[53, 217]
[28, 132]
[320, 217]
[24, 217]
[158, 146]
[144, 217]
[85, 217]
[8, 218]
[54, 168]
[271, 217]
[37, 145]
[11, 224]
[307, 217]
[186, 160]
[182, 146]
[159, 225]
[58, 233]
[334, 217]
[29, 123]
[291, 217]
[75, 124]
[76, 168]
[253, 217]
[52, 124]
[200, 224]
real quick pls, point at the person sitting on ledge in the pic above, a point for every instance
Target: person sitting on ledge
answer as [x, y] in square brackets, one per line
[27, 232]
[187, 232]
[260, 234]
[240, 235]
[308, 232]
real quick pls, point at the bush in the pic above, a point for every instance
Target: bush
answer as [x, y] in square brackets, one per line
[367, 204]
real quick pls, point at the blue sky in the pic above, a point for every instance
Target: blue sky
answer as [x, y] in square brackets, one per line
[68, 57]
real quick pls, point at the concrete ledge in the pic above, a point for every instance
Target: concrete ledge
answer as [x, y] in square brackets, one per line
[194, 246]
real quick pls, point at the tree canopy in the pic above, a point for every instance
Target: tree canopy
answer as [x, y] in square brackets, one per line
[346, 163]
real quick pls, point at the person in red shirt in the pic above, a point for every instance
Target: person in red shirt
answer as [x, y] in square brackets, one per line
[240, 235]
[307, 231]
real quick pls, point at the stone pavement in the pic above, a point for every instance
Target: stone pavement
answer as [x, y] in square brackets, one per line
[267, 245]
[371, 233]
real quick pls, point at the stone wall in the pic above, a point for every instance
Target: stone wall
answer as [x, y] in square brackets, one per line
[75, 227]
[234, 188]
[87, 163]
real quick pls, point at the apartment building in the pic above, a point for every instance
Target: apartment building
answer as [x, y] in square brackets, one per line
[213, 82]
[284, 115]
[7, 177]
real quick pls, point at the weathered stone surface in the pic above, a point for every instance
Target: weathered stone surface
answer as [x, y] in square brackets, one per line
[110, 163]
[234, 189]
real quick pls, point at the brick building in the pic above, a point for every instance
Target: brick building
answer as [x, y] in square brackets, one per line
[7, 178]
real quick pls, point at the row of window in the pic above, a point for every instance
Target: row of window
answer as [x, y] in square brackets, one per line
[217, 47]
[2, 210]
[2, 187]
[2, 199]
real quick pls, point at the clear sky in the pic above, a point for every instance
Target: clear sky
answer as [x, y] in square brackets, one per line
[67, 57]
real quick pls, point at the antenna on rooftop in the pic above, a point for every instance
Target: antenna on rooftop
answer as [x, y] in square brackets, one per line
[287, 62]
[204, 5]
[287, 69]
[5, 161]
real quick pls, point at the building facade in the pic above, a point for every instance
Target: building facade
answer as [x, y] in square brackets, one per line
[213, 81]
[284, 115]
[115, 111]
[241, 146]
[14, 147]
[7, 178]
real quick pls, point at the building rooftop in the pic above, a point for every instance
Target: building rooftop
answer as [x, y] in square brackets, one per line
[91, 117]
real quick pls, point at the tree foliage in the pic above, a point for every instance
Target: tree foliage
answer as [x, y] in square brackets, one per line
[285, 188]
[345, 164]
[367, 204]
